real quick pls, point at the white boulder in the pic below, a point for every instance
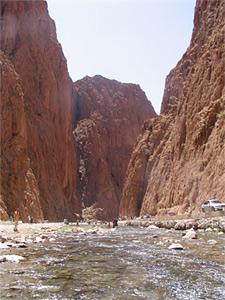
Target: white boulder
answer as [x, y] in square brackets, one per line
[176, 247]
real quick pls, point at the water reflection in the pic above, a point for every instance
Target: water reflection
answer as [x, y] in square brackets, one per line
[125, 264]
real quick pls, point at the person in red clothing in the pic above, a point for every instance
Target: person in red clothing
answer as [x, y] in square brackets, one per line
[115, 223]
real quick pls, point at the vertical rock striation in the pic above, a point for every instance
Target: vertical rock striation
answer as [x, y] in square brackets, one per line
[17, 179]
[42, 147]
[178, 162]
[109, 119]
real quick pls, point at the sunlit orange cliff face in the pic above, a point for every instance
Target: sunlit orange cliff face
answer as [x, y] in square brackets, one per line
[178, 161]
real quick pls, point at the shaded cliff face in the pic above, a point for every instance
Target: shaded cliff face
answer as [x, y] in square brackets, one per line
[17, 178]
[109, 119]
[178, 162]
[42, 113]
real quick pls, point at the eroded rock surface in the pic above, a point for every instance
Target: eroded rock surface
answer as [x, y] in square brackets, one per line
[178, 162]
[39, 149]
[109, 119]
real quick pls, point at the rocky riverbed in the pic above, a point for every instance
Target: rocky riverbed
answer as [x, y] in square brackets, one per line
[213, 224]
[91, 261]
[48, 232]
[29, 234]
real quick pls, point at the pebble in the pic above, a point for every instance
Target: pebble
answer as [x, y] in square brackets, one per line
[51, 239]
[152, 227]
[15, 287]
[160, 244]
[190, 234]
[212, 242]
[38, 240]
[176, 247]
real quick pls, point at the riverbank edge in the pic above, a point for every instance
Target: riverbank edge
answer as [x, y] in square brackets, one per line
[213, 224]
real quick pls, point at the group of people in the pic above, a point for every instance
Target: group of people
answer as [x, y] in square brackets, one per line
[16, 218]
[114, 222]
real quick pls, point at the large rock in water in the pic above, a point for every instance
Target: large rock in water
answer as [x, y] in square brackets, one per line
[38, 147]
[178, 162]
[109, 119]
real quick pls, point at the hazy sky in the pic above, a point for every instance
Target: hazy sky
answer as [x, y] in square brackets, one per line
[134, 41]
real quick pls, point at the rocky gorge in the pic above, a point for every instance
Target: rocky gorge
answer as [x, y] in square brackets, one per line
[58, 136]
[96, 146]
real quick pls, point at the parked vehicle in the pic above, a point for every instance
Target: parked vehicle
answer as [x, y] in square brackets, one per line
[212, 205]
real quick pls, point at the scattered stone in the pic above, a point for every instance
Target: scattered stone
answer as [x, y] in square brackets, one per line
[15, 287]
[3, 239]
[45, 228]
[11, 258]
[160, 243]
[10, 244]
[176, 247]
[51, 239]
[17, 245]
[38, 240]
[152, 227]
[168, 240]
[44, 236]
[155, 236]
[20, 245]
[20, 240]
[2, 259]
[78, 230]
[212, 242]
[190, 234]
[19, 272]
[3, 246]
[181, 225]
[92, 231]
[29, 241]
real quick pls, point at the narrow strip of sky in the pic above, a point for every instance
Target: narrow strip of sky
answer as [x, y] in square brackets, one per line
[135, 41]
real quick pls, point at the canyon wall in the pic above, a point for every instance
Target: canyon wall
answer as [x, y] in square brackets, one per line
[63, 146]
[38, 146]
[108, 120]
[178, 161]
[17, 178]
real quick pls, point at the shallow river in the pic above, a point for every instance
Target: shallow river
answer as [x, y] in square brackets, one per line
[127, 263]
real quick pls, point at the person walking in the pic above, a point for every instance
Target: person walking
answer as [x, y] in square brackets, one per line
[115, 223]
[16, 220]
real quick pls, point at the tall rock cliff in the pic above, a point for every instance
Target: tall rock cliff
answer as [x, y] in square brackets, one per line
[38, 147]
[17, 178]
[178, 161]
[109, 119]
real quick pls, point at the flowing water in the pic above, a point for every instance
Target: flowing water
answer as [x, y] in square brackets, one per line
[128, 263]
